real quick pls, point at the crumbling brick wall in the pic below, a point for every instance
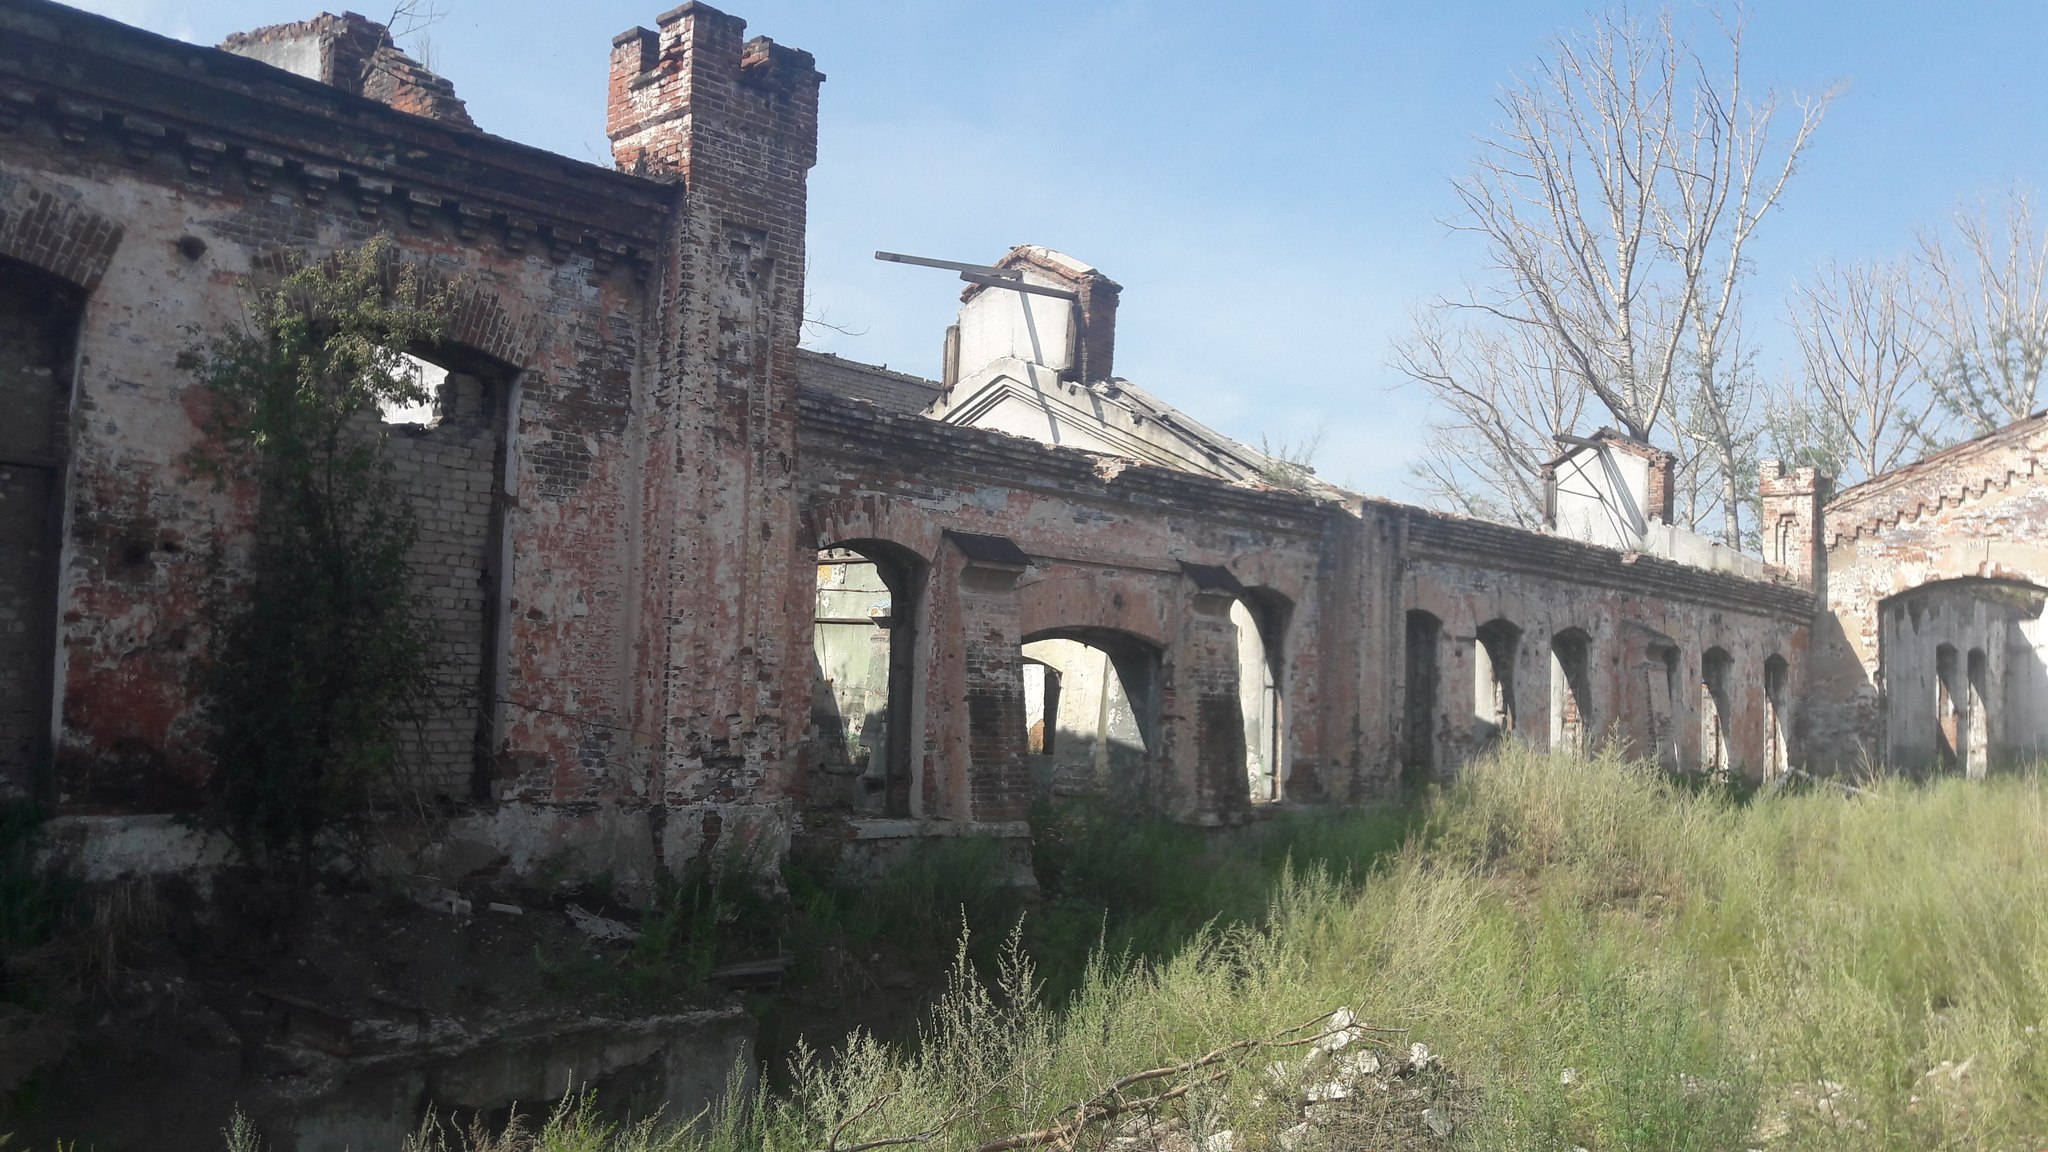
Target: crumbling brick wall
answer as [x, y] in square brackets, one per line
[1024, 542]
[356, 55]
[453, 470]
[625, 563]
[1633, 611]
[150, 185]
[731, 123]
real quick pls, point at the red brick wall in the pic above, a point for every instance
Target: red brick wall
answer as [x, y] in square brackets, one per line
[735, 122]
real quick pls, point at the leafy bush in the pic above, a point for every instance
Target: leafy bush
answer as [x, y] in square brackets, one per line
[320, 656]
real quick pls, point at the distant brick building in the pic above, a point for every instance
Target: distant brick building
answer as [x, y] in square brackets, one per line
[694, 582]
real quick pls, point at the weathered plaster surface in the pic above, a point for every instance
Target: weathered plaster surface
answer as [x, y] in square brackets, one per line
[1973, 513]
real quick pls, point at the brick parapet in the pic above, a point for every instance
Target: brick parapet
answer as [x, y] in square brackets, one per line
[357, 55]
[1948, 479]
[1426, 533]
[832, 426]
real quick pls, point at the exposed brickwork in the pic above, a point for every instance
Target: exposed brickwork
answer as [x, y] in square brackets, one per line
[43, 229]
[354, 54]
[1632, 610]
[1975, 514]
[1097, 535]
[1792, 520]
[1201, 710]
[453, 469]
[982, 597]
[153, 173]
[735, 122]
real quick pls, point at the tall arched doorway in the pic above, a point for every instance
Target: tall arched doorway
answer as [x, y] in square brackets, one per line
[863, 734]
[1261, 618]
[39, 318]
[1097, 697]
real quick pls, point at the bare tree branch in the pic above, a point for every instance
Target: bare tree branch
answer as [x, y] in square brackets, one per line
[1616, 197]
[1863, 403]
[1988, 304]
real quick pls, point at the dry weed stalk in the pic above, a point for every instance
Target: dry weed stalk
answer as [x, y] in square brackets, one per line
[1214, 1067]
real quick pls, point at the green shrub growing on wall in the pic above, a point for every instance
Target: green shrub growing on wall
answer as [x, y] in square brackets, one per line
[321, 659]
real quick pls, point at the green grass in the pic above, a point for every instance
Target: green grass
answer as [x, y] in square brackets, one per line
[1605, 959]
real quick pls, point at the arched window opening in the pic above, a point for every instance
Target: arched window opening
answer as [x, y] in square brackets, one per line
[1950, 696]
[863, 645]
[1777, 751]
[1101, 721]
[1715, 669]
[1261, 620]
[1495, 646]
[1041, 707]
[39, 318]
[1571, 711]
[452, 461]
[1964, 664]
[433, 381]
[1423, 661]
[1977, 749]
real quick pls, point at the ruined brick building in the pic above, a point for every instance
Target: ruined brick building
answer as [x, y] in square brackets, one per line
[696, 580]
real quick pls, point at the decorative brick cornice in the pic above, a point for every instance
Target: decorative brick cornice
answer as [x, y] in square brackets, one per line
[1940, 481]
[198, 114]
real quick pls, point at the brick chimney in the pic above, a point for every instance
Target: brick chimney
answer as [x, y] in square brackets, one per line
[1793, 525]
[355, 54]
[690, 99]
[1078, 340]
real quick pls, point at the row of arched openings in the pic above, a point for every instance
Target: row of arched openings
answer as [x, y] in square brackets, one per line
[1498, 651]
[1091, 715]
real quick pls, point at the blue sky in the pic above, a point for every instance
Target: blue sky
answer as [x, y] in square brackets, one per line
[1267, 181]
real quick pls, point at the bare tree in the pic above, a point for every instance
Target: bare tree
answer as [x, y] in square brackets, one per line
[1717, 417]
[1988, 303]
[1616, 198]
[415, 19]
[1503, 403]
[1862, 403]
[1727, 182]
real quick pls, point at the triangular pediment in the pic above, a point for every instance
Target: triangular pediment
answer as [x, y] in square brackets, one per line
[1030, 400]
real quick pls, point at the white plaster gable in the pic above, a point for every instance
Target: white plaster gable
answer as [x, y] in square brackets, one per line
[1021, 398]
[996, 324]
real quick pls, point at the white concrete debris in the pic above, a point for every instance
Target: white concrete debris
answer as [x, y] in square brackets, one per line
[447, 900]
[601, 928]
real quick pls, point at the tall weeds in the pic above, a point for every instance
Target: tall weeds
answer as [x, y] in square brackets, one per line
[1605, 959]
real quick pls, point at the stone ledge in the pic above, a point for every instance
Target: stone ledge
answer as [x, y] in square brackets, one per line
[905, 829]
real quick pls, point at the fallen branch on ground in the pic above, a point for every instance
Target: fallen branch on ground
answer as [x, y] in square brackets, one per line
[1111, 1101]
